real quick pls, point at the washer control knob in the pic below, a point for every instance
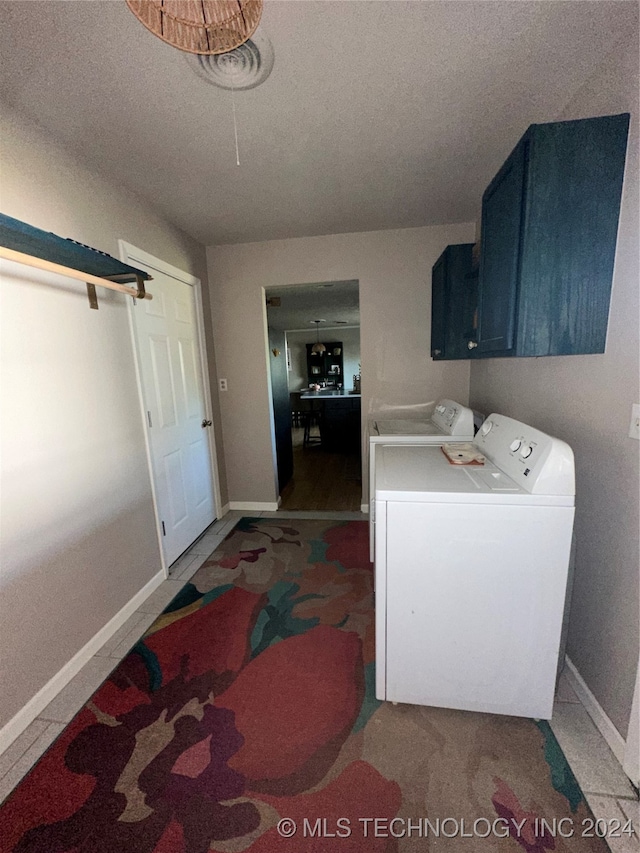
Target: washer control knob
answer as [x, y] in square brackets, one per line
[526, 451]
[515, 445]
[486, 427]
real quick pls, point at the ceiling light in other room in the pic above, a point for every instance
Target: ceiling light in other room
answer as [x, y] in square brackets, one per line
[318, 348]
[200, 26]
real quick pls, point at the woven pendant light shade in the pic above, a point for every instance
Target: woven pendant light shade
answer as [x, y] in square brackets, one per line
[318, 348]
[200, 26]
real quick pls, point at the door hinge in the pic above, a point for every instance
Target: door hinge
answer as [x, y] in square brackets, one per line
[164, 532]
[149, 419]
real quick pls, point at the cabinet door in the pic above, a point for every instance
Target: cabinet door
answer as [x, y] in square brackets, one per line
[574, 184]
[502, 214]
[469, 331]
[326, 366]
[438, 307]
[461, 301]
[453, 303]
[340, 425]
[333, 362]
[315, 365]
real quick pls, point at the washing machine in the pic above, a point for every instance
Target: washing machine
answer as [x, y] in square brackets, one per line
[471, 571]
[448, 419]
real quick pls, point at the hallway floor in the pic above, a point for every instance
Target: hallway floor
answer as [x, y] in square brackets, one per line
[322, 480]
[606, 788]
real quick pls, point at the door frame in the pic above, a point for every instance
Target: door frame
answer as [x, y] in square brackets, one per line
[131, 254]
[364, 499]
[272, 415]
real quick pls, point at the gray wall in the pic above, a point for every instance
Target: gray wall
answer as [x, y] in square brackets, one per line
[78, 528]
[586, 400]
[394, 273]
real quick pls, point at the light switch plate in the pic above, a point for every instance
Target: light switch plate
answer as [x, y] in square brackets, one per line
[634, 429]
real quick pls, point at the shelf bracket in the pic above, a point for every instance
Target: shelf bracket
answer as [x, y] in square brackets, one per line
[93, 296]
[24, 244]
[139, 293]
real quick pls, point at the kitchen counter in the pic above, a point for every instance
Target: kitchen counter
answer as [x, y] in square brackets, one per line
[308, 394]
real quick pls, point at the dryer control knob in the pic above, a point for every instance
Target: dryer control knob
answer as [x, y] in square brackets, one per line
[526, 451]
[486, 427]
[515, 445]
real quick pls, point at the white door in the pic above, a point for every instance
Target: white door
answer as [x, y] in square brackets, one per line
[178, 425]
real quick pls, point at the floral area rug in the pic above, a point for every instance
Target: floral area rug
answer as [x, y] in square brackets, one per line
[246, 720]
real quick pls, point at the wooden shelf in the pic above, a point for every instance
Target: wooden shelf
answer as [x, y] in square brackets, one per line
[34, 247]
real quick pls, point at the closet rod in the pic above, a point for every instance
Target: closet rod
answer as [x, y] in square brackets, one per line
[49, 266]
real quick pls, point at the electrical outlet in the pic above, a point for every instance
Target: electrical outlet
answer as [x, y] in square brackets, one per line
[223, 384]
[634, 429]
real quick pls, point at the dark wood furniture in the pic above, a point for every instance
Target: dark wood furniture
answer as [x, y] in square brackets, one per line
[338, 415]
[326, 366]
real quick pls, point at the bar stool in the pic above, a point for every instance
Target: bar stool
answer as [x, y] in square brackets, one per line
[311, 417]
[297, 409]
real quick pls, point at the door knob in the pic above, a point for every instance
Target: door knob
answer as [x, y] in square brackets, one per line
[206, 423]
[472, 344]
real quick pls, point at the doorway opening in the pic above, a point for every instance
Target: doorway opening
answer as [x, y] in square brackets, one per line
[314, 359]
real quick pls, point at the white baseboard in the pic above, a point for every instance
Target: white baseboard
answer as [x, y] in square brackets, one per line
[224, 510]
[595, 710]
[27, 714]
[257, 506]
[364, 508]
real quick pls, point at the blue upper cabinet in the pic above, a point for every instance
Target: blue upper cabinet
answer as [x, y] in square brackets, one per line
[549, 227]
[500, 254]
[453, 302]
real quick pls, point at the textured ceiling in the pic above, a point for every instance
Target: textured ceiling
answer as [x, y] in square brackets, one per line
[336, 303]
[377, 115]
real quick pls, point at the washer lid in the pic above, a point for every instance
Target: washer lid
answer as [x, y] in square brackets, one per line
[448, 419]
[422, 473]
[406, 427]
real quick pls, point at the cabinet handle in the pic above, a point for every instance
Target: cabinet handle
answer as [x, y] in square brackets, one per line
[472, 344]
[437, 351]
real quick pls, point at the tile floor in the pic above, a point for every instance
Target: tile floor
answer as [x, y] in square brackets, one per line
[607, 789]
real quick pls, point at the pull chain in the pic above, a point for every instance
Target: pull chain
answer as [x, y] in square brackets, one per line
[235, 126]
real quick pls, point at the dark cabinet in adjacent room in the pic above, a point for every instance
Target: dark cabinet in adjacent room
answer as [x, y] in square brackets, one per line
[326, 366]
[340, 424]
